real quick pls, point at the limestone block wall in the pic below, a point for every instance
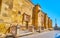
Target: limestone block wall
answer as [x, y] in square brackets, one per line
[0, 4]
[24, 6]
[42, 19]
[47, 22]
[12, 11]
[35, 16]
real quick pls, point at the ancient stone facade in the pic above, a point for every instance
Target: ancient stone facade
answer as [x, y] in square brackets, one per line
[0, 4]
[15, 12]
[41, 19]
[24, 14]
[35, 17]
[47, 22]
[44, 22]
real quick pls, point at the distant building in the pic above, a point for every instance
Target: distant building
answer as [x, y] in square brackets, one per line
[56, 26]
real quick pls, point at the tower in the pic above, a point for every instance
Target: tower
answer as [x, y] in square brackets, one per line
[56, 23]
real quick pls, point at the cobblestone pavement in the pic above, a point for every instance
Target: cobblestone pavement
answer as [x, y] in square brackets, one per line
[50, 34]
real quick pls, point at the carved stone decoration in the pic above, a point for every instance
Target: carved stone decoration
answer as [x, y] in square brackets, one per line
[26, 17]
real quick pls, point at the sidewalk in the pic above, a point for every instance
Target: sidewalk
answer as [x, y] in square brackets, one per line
[24, 33]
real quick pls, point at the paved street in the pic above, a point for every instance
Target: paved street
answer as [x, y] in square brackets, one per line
[49, 34]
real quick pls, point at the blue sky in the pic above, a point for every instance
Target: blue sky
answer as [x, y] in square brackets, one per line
[51, 7]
